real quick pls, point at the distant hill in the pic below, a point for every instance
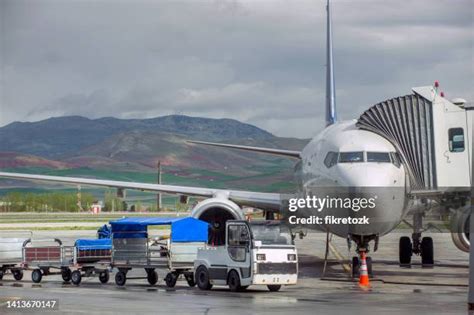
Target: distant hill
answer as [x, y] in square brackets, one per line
[15, 160]
[61, 137]
[136, 145]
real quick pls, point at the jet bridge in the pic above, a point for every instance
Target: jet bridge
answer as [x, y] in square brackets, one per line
[431, 135]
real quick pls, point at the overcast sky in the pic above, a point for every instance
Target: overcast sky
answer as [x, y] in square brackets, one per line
[261, 62]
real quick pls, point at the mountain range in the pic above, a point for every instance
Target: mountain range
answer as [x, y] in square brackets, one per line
[73, 142]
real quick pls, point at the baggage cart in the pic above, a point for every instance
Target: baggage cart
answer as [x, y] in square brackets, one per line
[86, 258]
[11, 244]
[133, 247]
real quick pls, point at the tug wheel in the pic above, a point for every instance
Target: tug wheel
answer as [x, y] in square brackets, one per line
[233, 281]
[202, 278]
[274, 287]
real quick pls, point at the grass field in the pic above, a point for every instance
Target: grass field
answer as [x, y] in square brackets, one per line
[268, 179]
[69, 221]
[33, 217]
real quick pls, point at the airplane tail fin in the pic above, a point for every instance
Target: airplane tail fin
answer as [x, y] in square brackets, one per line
[331, 115]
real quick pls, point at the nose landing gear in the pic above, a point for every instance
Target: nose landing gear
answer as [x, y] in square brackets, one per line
[356, 262]
[362, 243]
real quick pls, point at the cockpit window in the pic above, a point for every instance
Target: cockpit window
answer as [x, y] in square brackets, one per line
[396, 159]
[351, 157]
[379, 157]
[331, 159]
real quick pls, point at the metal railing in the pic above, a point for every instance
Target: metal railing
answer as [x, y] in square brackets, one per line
[138, 250]
[51, 254]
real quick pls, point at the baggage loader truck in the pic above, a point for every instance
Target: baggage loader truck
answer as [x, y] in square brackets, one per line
[259, 252]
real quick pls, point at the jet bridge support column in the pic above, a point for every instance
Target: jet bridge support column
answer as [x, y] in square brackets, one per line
[471, 234]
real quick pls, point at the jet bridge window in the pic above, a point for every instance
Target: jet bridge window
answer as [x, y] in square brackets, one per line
[456, 139]
[351, 157]
[378, 157]
[331, 159]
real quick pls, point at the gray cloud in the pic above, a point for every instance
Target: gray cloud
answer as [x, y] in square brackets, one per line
[258, 61]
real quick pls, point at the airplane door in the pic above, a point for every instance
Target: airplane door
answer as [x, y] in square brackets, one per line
[455, 159]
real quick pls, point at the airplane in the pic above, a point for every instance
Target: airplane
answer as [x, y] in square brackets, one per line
[343, 155]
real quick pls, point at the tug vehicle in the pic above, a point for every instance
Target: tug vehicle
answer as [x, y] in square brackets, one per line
[254, 253]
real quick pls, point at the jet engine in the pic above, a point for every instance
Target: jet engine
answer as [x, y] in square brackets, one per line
[460, 229]
[217, 211]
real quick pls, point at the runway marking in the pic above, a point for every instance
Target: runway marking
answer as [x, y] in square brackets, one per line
[338, 255]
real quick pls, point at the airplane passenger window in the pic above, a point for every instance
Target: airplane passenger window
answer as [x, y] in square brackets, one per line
[456, 139]
[379, 157]
[331, 159]
[351, 157]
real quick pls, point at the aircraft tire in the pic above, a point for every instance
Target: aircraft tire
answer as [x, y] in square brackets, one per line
[405, 251]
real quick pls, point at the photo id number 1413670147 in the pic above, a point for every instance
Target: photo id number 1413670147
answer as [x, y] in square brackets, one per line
[31, 304]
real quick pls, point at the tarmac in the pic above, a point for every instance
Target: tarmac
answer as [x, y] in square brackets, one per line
[394, 290]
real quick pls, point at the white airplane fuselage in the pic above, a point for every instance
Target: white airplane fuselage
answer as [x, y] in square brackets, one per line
[363, 163]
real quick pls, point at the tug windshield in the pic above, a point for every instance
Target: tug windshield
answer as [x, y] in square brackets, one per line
[271, 233]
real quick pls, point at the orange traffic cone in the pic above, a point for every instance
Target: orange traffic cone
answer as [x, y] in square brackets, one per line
[364, 274]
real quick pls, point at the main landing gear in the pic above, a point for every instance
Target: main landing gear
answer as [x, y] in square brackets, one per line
[417, 245]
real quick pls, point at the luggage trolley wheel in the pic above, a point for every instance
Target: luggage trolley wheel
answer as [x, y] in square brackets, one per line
[152, 277]
[36, 275]
[171, 279]
[190, 280]
[104, 276]
[17, 274]
[120, 278]
[76, 277]
[66, 274]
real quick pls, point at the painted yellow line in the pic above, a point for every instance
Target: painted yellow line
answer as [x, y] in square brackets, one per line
[338, 255]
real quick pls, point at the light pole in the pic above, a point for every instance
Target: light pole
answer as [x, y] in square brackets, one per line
[158, 196]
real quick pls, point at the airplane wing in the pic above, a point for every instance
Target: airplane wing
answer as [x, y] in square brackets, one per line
[265, 201]
[287, 153]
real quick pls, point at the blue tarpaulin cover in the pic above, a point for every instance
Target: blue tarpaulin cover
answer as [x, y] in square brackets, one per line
[90, 244]
[186, 229]
[104, 231]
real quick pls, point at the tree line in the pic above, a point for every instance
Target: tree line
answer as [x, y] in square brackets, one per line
[45, 202]
[69, 202]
